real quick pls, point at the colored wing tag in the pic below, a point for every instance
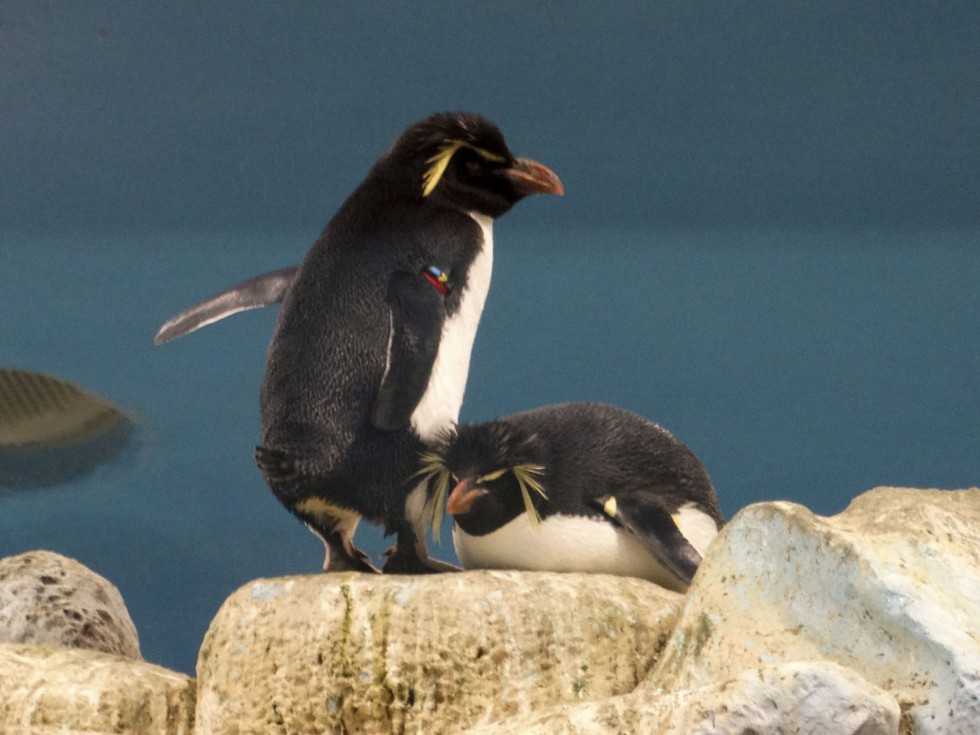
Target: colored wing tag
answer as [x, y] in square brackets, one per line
[437, 278]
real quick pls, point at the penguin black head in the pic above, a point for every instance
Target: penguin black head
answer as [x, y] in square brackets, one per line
[461, 160]
[497, 473]
[581, 487]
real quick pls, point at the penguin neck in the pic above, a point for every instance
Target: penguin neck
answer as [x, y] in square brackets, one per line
[439, 407]
[486, 226]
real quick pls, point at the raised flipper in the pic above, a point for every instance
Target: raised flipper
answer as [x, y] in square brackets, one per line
[644, 515]
[269, 288]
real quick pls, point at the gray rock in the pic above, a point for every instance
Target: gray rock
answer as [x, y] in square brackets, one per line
[890, 588]
[49, 599]
[808, 698]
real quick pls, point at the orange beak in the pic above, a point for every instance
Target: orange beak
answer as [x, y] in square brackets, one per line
[462, 497]
[530, 177]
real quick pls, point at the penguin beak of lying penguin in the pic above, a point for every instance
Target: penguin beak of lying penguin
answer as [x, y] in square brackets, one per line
[531, 177]
[463, 496]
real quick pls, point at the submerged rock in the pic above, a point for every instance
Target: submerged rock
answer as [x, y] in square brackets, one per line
[49, 599]
[53, 431]
[352, 653]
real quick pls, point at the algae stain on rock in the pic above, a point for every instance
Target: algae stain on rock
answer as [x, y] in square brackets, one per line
[346, 631]
[687, 641]
[580, 685]
[702, 633]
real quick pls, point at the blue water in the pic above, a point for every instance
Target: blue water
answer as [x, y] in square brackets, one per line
[802, 366]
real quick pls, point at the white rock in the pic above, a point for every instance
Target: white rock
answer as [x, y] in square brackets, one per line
[353, 653]
[811, 698]
[49, 599]
[62, 691]
[889, 588]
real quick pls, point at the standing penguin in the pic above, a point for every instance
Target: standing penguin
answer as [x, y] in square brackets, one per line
[372, 347]
[577, 487]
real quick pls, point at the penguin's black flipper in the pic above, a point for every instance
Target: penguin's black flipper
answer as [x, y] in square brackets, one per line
[652, 525]
[269, 288]
[416, 312]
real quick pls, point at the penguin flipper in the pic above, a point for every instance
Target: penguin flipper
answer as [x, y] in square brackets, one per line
[269, 288]
[644, 516]
[416, 312]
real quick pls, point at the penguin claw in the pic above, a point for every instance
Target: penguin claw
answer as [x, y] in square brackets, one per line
[345, 557]
[401, 562]
[350, 565]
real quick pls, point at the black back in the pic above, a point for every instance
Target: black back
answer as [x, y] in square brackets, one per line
[587, 451]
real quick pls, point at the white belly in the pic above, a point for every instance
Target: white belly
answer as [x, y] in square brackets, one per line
[440, 404]
[561, 544]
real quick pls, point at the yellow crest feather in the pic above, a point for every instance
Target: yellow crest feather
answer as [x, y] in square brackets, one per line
[434, 474]
[440, 162]
[527, 477]
[437, 166]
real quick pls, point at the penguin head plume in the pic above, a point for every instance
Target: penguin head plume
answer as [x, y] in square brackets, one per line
[495, 473]
[461, 160]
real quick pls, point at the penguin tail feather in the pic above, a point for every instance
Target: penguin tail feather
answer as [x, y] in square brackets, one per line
[275, 463]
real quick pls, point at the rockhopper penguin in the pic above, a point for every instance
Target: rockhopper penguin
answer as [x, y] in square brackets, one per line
[576, 487]
[371, 350]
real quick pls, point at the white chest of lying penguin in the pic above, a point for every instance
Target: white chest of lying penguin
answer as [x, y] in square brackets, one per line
[561, 543]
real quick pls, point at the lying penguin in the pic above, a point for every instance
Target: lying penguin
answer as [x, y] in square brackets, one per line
[371, 350]
[576, 487]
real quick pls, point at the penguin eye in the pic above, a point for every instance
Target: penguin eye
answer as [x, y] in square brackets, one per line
[473, 167]
[491, 476]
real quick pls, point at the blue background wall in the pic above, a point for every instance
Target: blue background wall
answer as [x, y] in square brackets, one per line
[234, 114]
[770, 242]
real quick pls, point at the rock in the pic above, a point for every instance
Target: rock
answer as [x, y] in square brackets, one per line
[352, 653]
[49, 691]
[803, 698]
[49, 599]
[889, 588]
